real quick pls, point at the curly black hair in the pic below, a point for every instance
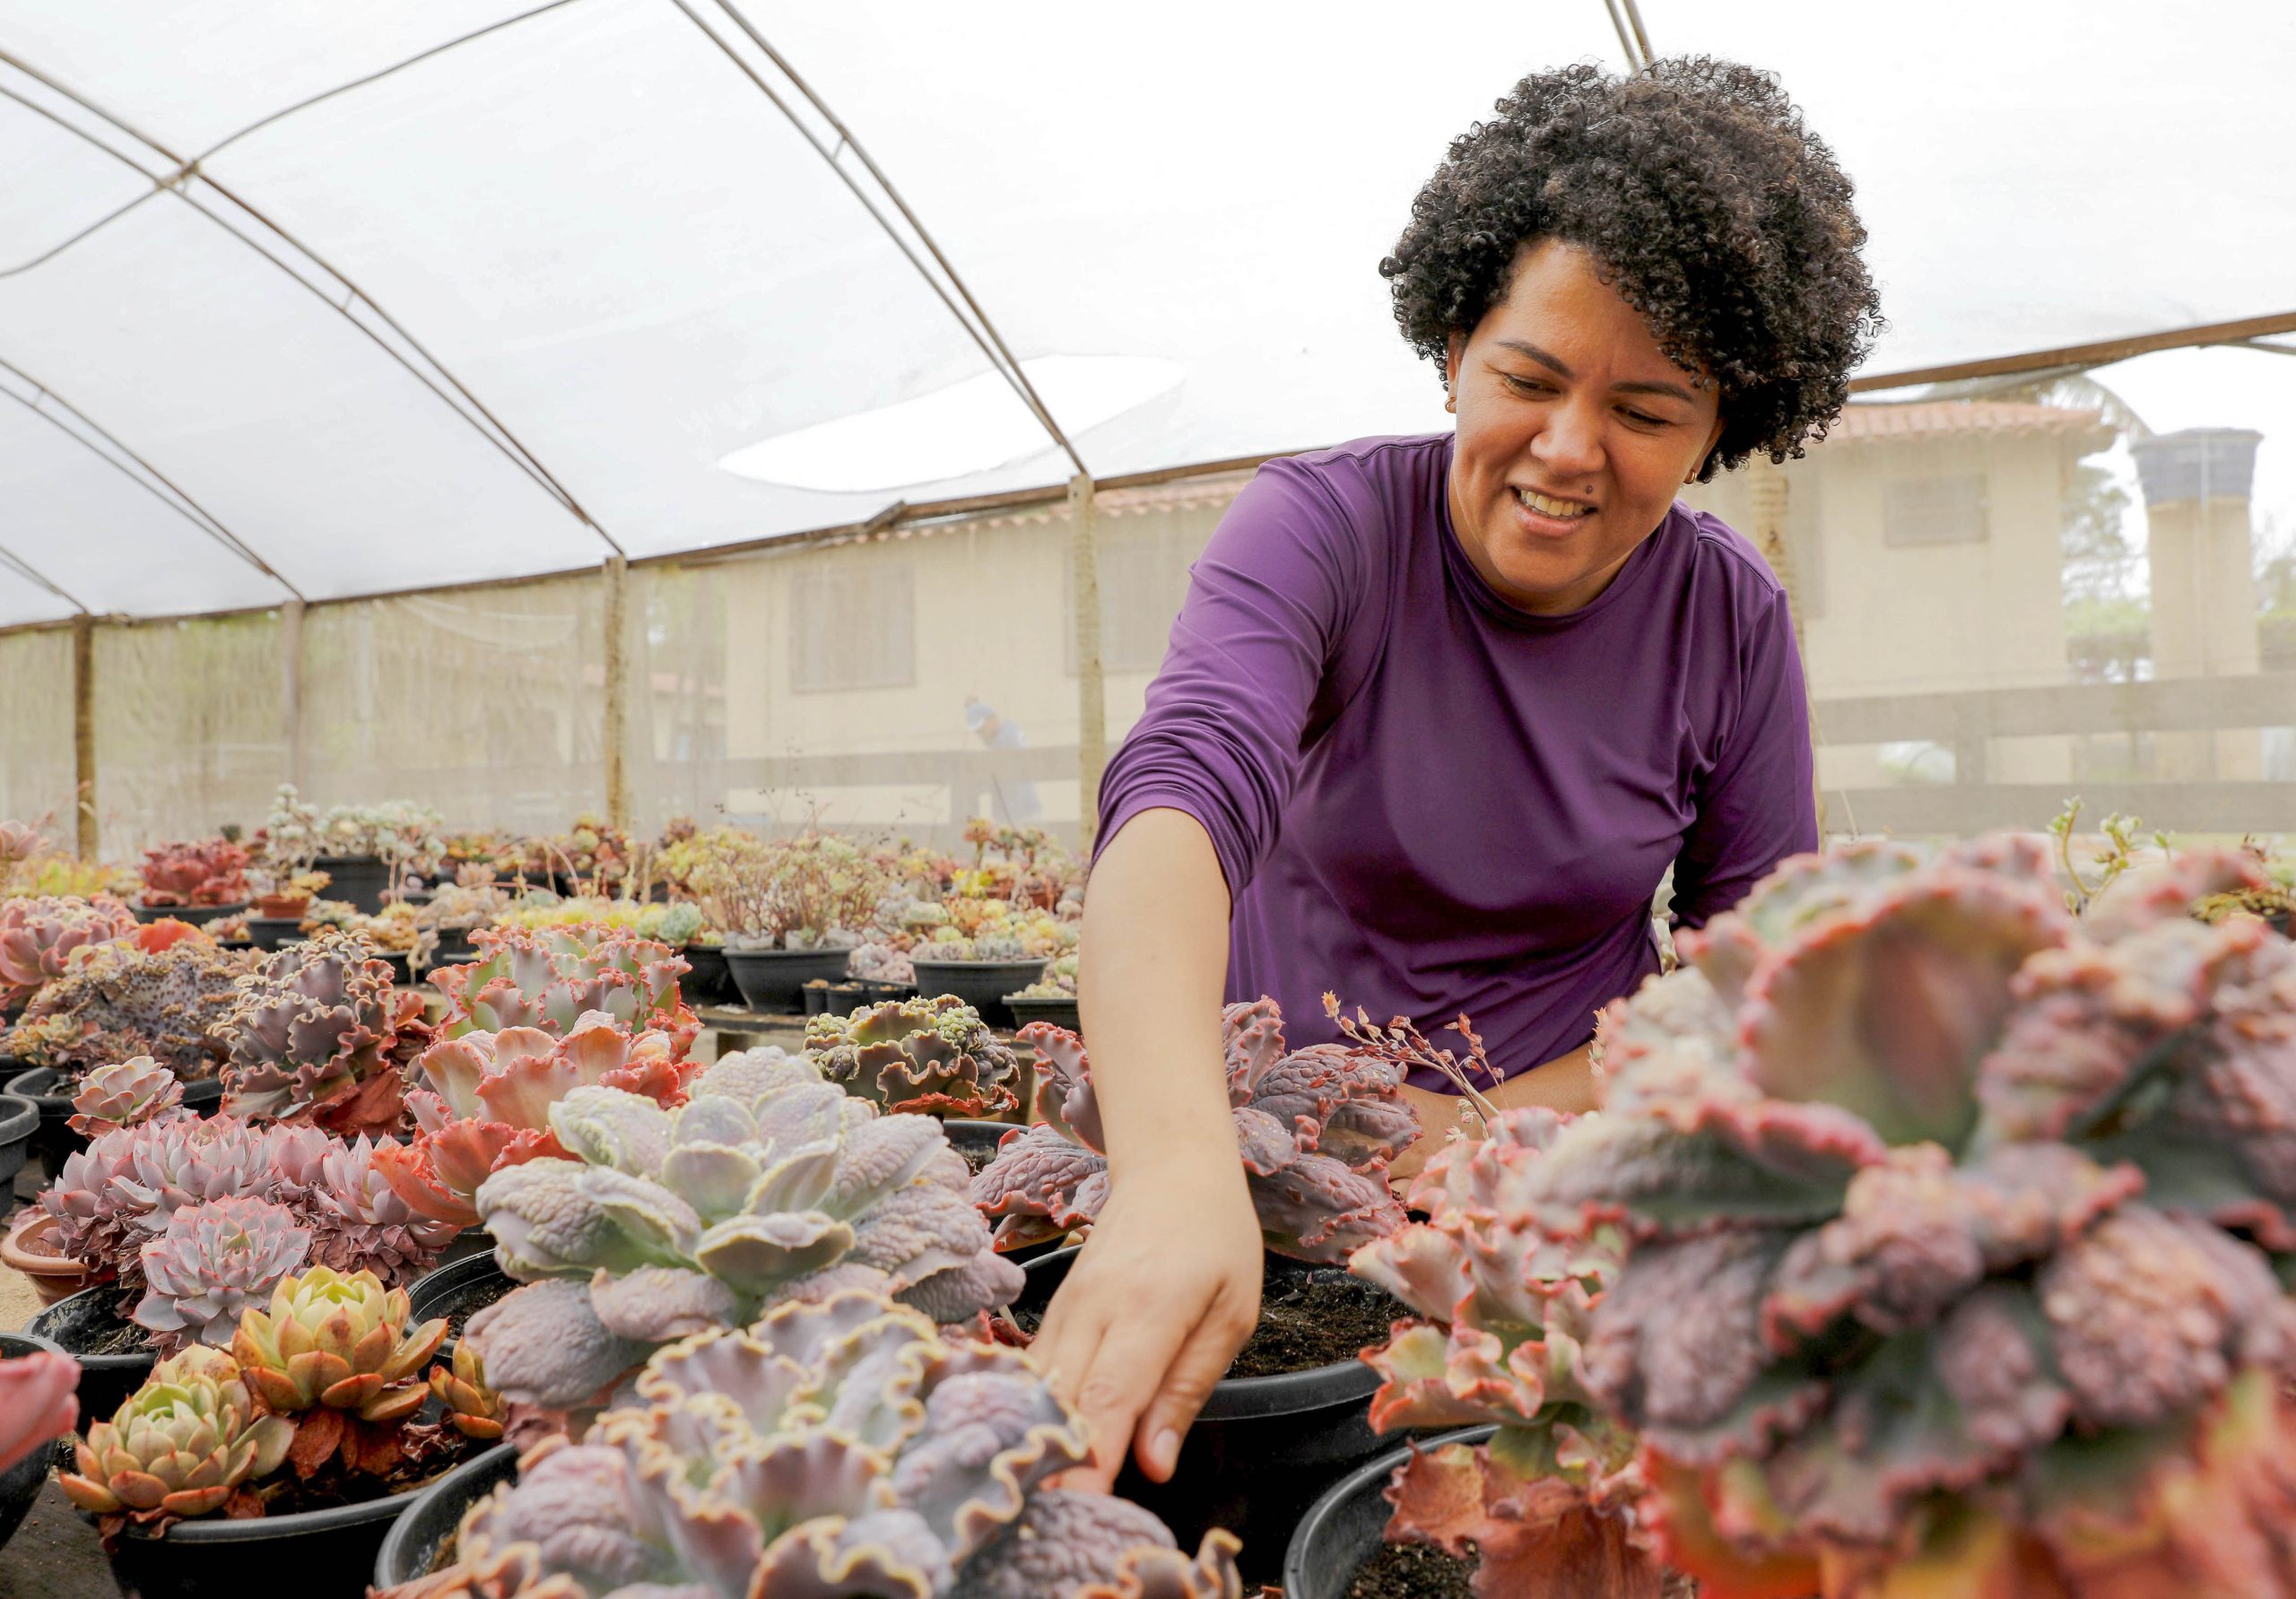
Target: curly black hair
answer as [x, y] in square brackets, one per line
[1704, 202]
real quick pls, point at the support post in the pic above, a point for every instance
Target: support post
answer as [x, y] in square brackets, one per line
[617, 690]
[290, 688]
[1766, 485]
[84, 730]
[1091, 703]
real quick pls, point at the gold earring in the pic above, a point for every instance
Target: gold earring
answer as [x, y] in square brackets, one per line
[1451, 403]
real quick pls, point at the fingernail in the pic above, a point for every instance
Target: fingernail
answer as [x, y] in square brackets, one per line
[1164, 1449]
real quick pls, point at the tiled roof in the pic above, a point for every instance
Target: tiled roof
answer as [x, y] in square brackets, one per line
[1922, 419]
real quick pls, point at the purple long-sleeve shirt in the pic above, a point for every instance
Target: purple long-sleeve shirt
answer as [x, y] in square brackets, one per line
[1430, 801]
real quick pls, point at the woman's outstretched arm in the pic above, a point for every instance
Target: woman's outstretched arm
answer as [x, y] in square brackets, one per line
[1167, 1288]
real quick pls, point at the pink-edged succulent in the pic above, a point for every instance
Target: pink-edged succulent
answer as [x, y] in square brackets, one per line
[841, 1446]
[931, 1055]
[1315, 1128]
[1949, 1227]
[212, 1261]
[487, 1097]
[38, 935]
[552, 979]
[36, 1402]
[117, 1002]
[318, 1033]
[765, 1184]
[206, 872]
[126, 1094]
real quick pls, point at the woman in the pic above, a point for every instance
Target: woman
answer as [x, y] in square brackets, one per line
[1439, 712]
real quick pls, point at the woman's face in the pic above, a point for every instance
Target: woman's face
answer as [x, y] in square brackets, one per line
[1574, 433]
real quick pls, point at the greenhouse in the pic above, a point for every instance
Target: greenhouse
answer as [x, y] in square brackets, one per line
[700, 698]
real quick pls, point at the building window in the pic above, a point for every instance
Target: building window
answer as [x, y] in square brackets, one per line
[1143, 578]
[1934, 510]
[852, 626]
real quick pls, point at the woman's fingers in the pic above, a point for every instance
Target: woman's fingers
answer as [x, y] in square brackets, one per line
[1202, 1360]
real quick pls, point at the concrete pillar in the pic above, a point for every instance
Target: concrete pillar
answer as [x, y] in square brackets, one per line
[2204, 599]
[84, 730]
[1091, 698]
[616, 731]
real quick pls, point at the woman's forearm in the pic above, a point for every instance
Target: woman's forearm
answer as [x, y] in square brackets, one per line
[1153, 971]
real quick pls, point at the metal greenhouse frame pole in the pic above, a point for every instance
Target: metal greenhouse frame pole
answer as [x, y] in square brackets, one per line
[83, 731]
[1091, 698]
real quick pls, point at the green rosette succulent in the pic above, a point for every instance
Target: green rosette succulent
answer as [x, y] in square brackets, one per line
[933, 1057]
[337, 1340]
[180, 1445]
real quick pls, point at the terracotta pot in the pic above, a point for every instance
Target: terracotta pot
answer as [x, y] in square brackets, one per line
[282, 906]
[30, 1248]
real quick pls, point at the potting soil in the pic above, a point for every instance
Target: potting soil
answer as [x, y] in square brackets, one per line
[475, 1298]
[1412, 1571]
[1311, 1325]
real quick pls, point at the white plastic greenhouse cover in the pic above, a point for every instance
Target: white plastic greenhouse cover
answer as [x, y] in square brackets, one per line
[584, 281]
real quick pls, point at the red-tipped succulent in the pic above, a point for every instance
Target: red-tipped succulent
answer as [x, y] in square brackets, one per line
[38, 937]
[1315, 1128]
[208, 871]
[319, 1034]
[553, 978]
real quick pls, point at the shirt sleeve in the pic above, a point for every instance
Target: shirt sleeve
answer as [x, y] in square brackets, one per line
[1758, 805]
[1268, 602]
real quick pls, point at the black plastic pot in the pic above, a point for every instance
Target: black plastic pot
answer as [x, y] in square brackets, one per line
[401, 963]
[971, 1138]
[18, 1124]
[1263, 1448]
[454, 948]
[980, 984]
[272, 932]
[89, 1317]
[1345, 1527]
[21, 1484]
[463, 1286]
[706, 981]
[776, 980]
[361, 879]
[198, 915]
[411, 1548]
[1060, 1012]
[54, 1141]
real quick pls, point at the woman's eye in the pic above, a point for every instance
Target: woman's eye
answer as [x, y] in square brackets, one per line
[1524, 386]
[1643, 420]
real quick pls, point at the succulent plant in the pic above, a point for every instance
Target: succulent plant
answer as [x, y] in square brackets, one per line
[339, 1342]
[933, 1056]
[180, 1446]
[212, 1261]
[359, 1220]
[552, 979]
[206, 872]
[117, 1002]
[125, 1095]
[1950, 1224]
[488, 1100]
[1315, 1128]
[841, 1447]
[37, 1403]
[879, 963]
[38, 935]
[767, 1184]
[319, 1034]
[472, 1408]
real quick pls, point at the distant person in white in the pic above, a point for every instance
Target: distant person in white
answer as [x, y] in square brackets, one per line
[1015, 799]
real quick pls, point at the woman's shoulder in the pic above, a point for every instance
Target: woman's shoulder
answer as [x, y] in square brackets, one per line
[1384, 467]
[1721, 563]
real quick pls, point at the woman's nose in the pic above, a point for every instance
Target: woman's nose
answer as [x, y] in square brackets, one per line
[1570, 444]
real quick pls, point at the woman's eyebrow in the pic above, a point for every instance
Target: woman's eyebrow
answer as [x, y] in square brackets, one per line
[1525, 347]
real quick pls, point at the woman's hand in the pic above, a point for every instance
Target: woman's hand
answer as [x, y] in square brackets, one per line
[1165, 1292]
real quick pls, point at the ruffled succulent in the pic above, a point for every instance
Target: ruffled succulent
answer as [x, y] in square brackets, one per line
[38, 936]
[1947, 1219]
[213, 1260]
[36, 1402]
[117, 1002]
[205, 872]
[488, 1099]
[839, 1447]
[768, 1184]
[552, 979]
[1315, 1128]
[126, 1094]
[930, 1056]
[319, 1034]
[180, 1446]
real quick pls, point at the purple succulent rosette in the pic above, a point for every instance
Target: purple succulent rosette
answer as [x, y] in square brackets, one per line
[1315, 1129]
[837, 1447]
[766, 1184]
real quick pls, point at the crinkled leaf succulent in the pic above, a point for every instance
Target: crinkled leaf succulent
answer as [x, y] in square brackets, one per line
[180, 1445]
[767, 1184]
[38, 936]
[488, 1097]
[213, 1260]
[117, 1002]
[206, 872]
[837, 1447]
[125, 1095]
[1950, 1226]
[36, 1402]
[319, 1034]
[552, 979]
[1315, 1128]
[930, 1056]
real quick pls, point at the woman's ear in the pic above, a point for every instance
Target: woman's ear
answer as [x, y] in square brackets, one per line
[1706, 455]
[1455, 349]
